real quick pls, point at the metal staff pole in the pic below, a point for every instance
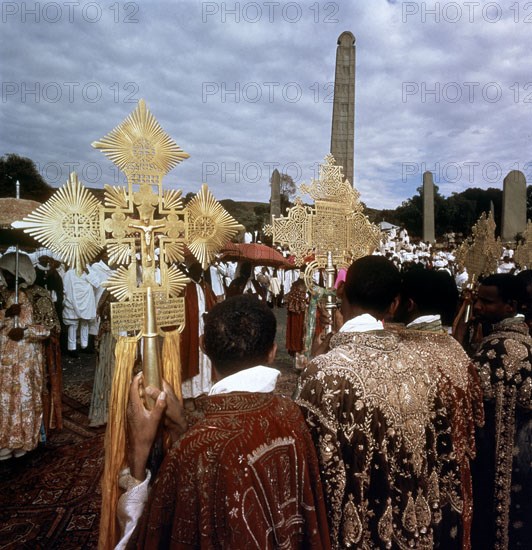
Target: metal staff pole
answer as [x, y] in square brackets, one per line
[330, 306]
[15, 320]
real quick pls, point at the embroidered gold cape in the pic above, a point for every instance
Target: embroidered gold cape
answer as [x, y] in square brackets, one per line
[384, 440]
[502, 473]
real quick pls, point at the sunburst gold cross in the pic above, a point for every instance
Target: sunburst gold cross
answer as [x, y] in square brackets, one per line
[141, 223]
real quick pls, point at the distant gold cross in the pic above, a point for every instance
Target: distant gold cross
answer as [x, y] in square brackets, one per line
[336, 224]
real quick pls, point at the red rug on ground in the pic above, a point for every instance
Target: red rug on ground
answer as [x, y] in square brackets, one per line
[50, 498]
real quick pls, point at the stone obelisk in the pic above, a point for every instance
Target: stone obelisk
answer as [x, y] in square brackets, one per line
[428, 208]
[275, 197]
[513, 205]
[343, 119]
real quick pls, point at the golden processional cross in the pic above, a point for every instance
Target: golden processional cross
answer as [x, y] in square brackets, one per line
[481, 252]
[523, 253]
[335, 230]
[129, 224]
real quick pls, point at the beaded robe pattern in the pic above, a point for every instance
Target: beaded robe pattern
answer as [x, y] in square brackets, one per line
[503, 491]
[384, 442]
[458, 386]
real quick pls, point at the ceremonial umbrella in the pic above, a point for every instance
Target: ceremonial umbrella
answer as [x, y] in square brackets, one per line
[254, 253]
[12, 210]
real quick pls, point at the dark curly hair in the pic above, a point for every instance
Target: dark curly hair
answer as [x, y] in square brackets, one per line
[433, 292]
[509, 287]
[239, 333]
[372, 282]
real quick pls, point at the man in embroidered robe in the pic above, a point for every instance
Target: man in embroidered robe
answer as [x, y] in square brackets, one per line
[378, 423]
[427, 305]
[296, 307]
[502, 472]
[246, 474]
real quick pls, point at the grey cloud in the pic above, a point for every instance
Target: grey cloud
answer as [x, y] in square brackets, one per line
[170, 55]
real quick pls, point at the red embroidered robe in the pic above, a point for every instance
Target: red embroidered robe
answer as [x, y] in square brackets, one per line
[245, 476]
[189, 342]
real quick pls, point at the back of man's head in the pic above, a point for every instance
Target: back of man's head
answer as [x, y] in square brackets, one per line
[245, 270]
[195, 272]
[526, 277]
[372, 283]
[432, 293]
[239, 333]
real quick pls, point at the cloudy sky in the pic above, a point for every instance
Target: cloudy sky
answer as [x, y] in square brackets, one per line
[244, 87]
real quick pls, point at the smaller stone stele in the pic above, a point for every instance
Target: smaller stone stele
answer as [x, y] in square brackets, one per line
[513, 220]
[481, 252]
[335, 225]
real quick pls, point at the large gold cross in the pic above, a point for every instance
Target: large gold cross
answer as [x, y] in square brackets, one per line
[480, 255]
[131, 222]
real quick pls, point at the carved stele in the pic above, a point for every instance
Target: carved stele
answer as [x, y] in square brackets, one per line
[429, 234]
[513, 206]
[481, 252]
[275, 196]
[336, 224]
[343, 119]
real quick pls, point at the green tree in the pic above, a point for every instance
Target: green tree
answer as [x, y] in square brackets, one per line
[410, 214]
[32, 185]
[462, 213]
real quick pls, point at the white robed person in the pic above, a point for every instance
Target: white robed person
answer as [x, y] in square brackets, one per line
[79, 309]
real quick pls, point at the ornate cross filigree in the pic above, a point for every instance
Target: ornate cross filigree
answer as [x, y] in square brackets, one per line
[523, 253]
[336, 224]
[131, 223]
[480, 254]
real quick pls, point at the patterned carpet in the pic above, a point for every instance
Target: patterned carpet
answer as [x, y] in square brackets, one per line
[50, 498]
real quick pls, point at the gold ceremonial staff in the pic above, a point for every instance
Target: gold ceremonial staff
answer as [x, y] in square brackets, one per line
[131, 221]
[75, 225]
[479, 255]
[335, 230]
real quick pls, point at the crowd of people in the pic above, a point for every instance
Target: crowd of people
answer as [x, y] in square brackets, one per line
[411, 426]
[417, 444]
